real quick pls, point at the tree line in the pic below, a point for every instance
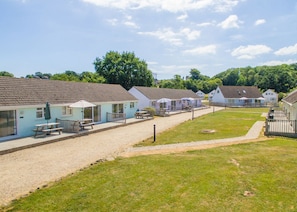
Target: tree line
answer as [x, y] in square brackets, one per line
[128, 70]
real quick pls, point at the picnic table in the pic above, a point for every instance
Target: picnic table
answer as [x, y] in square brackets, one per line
[86, 123]
[142, 114]
[47, 128]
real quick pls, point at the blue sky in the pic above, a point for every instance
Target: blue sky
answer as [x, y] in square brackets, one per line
[52, 36]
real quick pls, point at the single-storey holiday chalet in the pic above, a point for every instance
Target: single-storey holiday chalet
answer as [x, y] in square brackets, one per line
[178, 99]
[22, 103]
[236, 96]
[290, 105]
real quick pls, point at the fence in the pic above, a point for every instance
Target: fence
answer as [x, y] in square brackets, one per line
[69, 125]
[116, 117]
[277, 124]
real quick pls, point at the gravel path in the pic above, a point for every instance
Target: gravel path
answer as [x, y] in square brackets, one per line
[26, 170]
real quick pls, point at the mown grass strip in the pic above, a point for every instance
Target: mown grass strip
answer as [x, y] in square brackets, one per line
[232, 122]
[248, 177]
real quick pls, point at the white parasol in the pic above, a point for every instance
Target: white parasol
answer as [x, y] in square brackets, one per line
[164, 100]
[82, 104]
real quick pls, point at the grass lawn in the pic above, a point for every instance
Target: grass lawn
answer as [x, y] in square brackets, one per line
[232, 122]
[248, 177]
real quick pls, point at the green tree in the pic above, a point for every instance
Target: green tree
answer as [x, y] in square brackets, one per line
[39, 75]
[177, 83]
[67, 76]
[196, 75]
[231, 77]
[91, 77]
[124, 69]
[6, 74]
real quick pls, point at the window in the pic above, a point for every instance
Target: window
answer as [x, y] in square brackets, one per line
[231, 101]
[66, 111]
[118, 108]
[40, 112]
[132, 105]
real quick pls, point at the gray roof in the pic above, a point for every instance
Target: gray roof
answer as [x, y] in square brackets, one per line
[22, 91]
[291, 98]
[158, 93]
[240, 91]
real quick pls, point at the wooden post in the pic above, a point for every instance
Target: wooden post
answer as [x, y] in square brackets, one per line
[154, 133]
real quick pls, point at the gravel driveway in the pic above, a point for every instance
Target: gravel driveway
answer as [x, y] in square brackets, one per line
[26, 170]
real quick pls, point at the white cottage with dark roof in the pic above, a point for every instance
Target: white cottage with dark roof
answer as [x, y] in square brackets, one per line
[271, 97]
[237, 96]
[179, 98]
[22, 103]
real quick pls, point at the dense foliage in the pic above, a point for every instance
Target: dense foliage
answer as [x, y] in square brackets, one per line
[6, 74]
[124, 69]
[281, 78]
[128, 70]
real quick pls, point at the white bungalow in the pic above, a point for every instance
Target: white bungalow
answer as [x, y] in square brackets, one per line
[210, 95]
[201, 94]
[177, 98]
[271, 97]
[237, 96]
[290, 105]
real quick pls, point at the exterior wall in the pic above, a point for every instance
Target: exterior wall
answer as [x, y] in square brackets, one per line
[210, 95]
[200, 94]
[270, 96]
[290, 110]
[26, 117]
[218, 97]
[143, 101]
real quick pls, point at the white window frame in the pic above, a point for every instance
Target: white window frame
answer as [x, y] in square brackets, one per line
[40, 111]
[67, 111]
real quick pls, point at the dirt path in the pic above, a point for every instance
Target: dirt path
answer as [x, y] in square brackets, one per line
[185, 148]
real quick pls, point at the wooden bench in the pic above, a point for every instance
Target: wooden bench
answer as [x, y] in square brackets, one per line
[47, 131]
[142, 114]
[83, 125]
[37, 130]
[147, 115]
[57, 129]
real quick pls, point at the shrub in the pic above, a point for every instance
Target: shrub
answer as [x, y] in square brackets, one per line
[151, 110]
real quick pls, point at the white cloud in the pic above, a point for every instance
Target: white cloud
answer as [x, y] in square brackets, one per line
[250, 51]
[210, 49]
[237, 37]
[168, 5]
[113, 21]
[231, 22]
[259, 22]
[182, 17]
[206, 24]
[166, 35]
[290, 50]
[128, 22]
[190, 34]
[175, 38]
[278, 62]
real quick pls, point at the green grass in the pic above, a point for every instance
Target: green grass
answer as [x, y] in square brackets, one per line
[227, 123]
[205, 180]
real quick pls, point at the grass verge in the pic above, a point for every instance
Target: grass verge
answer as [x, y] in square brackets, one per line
[248, 177]
[232, 122]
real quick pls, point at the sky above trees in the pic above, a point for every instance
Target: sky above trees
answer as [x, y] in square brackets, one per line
[173, 37]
